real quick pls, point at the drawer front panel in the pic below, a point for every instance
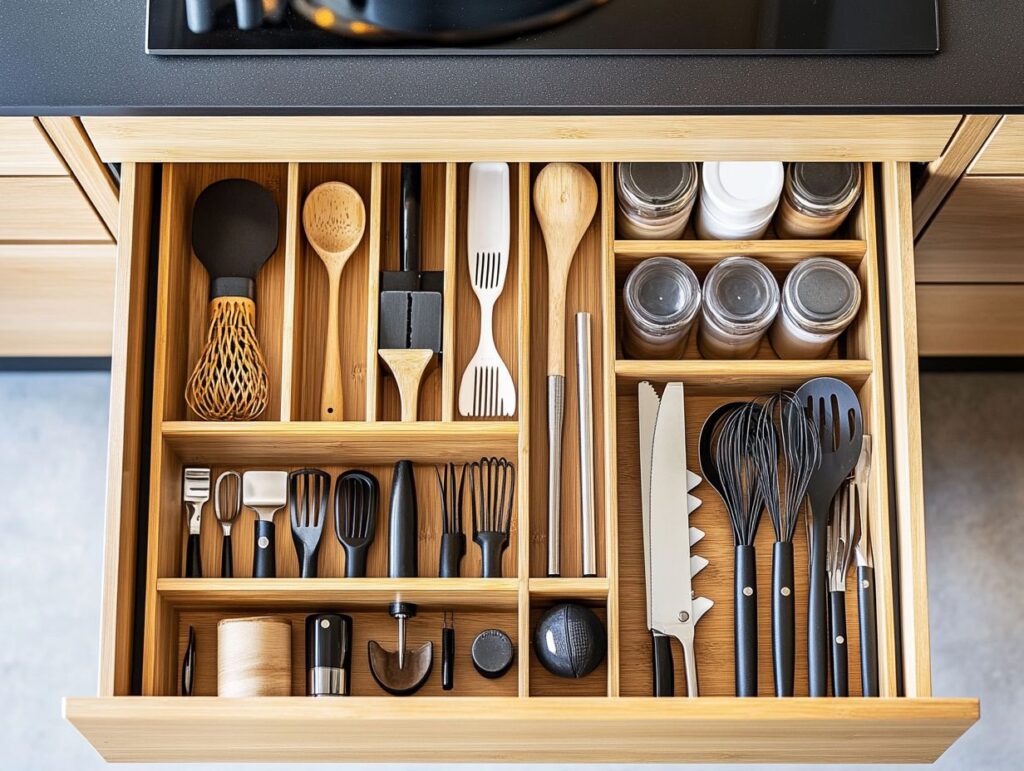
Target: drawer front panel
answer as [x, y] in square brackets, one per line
[529, 714]
[25, 150]
[971, 319]
[47, 209]
[977, 235]
[1004, 153]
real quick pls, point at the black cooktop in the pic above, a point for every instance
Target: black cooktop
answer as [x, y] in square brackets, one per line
[550, 27]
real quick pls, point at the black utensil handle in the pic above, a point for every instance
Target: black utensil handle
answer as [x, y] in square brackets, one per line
[447, 659]
[868, 631]
[745, 626]
[817, 610]
[227, 565]
[661, 660]
[355, 562]
[840, 664]
[453, 547]
[308, 563]
[783, 618]
[193, 560]
[409, 223]
[492, 546]
[402, 527]
[263, 563]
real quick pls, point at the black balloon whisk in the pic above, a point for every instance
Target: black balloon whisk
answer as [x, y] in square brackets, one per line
[786, 452]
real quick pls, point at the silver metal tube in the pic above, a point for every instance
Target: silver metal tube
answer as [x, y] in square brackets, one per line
[556, 416]
[585, 402]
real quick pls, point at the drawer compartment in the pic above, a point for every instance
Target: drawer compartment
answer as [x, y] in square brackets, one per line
[529, 714]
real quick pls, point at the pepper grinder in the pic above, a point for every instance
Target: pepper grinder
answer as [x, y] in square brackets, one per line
[328, 654]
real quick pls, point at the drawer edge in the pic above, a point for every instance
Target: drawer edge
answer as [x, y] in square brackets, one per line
[549, 729]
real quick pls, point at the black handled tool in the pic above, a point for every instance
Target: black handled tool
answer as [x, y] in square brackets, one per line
[403, 527]
[328, 654]
[356, 502]
[448, 652]
[308, 494]
[453, 539]
[833, 408]
[865, 575]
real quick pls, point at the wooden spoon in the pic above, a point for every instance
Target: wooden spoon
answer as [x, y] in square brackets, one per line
[565, 199]
[334, 219]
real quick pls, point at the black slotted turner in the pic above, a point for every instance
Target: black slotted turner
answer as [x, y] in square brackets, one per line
[308, 493]
[834, 410]
[356, 499]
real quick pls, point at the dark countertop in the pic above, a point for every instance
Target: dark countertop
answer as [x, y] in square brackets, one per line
[72, 57]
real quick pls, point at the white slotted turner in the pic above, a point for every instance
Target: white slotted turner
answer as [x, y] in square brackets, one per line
[487, 388]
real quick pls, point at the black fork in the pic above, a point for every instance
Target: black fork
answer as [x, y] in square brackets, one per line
[308, 493]
[835, 412]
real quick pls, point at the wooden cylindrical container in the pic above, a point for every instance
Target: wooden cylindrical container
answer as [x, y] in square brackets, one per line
[254, 657]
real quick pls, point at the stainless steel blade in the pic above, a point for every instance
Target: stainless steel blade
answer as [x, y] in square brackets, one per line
[648, 411]
[265, 492]
[671, 590]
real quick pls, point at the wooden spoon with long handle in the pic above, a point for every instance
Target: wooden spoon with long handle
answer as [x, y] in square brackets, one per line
[334, 219]
[565, 199]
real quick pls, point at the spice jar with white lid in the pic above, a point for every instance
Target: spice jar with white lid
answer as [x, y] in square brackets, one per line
[660, 300]
[741, 299]
[820, 297]
[654, 199]
[816, 198]
[738, 199]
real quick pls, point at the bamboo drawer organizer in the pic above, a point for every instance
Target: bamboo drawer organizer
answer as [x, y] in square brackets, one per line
[545, 718]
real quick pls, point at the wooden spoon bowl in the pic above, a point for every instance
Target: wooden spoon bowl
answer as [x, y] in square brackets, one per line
[334, 219]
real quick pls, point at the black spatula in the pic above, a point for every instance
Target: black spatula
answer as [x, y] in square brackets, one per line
[835, 412]
[308, 494]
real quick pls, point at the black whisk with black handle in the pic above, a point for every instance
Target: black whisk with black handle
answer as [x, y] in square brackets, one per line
[738, 474]
[786, 451]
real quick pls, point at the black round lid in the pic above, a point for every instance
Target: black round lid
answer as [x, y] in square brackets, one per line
[492, 653]
[825, 185]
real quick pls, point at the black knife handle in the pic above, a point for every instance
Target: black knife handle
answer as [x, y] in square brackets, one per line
[227, 565]
[745, 590]
[193, 561]
[868, 631]
[840, 663]
[447, 658]
[409, 222]
[453, 547]
[817, 608]
[263, 563]
[402, 523]
[783, 617]
[661, 659]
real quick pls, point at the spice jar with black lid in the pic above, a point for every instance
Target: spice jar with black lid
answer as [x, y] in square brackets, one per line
[816, 198]
[820, 297]
[660, 300]
[654, 200]
[741, 299]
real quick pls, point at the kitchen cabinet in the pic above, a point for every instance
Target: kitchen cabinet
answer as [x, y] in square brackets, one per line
[528, 715]
[969, 263]
[58, 209]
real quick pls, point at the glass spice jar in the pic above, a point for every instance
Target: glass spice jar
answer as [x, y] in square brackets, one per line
[654, 200]
[741, 299]
[738, 199]
[820, 297]
[660, 300]
[816, 198]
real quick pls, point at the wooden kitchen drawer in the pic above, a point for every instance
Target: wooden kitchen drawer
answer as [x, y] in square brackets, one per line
[25, 150]
[47, 209]
[1004, 151]
[528, 715]
[971, 319]
[977, 235]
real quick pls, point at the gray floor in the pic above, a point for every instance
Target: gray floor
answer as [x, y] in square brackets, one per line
[52, 455]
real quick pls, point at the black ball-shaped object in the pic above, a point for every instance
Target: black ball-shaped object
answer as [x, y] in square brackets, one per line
[570, 640]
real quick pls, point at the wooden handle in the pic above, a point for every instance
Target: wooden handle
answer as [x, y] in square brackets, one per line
[331, 406]
[557, 280]
[407, 366]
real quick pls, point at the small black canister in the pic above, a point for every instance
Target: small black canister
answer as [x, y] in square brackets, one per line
[328, 654]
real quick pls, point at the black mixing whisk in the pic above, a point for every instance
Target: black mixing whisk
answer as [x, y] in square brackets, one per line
[732, 452]
[786, 451]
